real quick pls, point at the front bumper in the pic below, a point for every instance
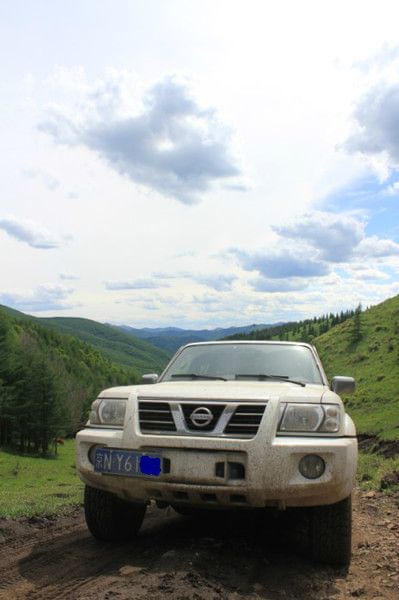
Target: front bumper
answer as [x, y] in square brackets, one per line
[267, 473]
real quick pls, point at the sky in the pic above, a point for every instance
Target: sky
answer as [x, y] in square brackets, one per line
[198, 164]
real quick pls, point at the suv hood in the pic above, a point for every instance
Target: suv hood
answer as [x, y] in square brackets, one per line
[223, 390]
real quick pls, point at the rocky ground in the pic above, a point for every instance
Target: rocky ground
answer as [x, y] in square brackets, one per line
[232, 557]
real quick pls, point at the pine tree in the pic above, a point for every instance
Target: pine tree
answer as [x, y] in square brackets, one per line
[356, 331]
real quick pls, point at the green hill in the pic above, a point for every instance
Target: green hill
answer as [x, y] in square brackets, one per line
[120, 347]
[374, 362]
[47, 382]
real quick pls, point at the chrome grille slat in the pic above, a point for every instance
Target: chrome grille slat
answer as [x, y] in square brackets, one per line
[147, 410]
[239, 424]
[242, 425]
[245, 414]
[153, 421]
[156, 417]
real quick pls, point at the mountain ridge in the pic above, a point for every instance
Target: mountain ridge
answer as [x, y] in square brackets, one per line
[119, 347]
[171, 338]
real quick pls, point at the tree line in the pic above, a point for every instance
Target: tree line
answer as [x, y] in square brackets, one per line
[47, 382]
[303, 331]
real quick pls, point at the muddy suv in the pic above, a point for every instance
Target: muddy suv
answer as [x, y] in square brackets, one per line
[228, 425]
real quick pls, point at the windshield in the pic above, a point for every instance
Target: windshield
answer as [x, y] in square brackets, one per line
[245, 361]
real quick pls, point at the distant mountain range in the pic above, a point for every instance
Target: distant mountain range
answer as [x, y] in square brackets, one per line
[171, 338]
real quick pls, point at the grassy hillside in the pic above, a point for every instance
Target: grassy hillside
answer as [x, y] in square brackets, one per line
[374, 362]
[119, 347]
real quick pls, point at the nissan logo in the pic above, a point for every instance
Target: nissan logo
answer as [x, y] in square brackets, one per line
[201, 416]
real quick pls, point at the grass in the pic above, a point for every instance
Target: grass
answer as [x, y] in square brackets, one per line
[372, 468]
[39, 486]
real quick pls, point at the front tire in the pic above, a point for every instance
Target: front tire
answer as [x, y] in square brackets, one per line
[109, 518]
[330, 534]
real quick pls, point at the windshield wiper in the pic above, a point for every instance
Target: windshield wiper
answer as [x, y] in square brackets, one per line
[264, 377]
[197, 376]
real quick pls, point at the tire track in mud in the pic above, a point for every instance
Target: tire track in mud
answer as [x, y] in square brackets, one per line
[189, 560]
[31, 541]
[56, 561]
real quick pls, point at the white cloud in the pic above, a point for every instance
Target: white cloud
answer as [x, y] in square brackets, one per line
[31, 233]
[334, 236]
[161, 275]
[137, 284]
[220, 283]
[375, 247]
[172, 146]
[264, 284]
[281, 263]
[208, 299]
[368, 274]
[386, 55]
[49, 181]
[377, 123]
[44, 298]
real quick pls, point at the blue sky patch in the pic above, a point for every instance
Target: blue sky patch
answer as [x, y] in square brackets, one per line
[377, 200]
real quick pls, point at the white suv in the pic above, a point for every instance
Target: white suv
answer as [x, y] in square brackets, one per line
[228, 425]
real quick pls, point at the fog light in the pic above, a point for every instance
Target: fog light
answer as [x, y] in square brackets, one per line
[311, 466]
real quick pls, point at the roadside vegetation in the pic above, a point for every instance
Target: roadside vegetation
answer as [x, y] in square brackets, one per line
[31, 485]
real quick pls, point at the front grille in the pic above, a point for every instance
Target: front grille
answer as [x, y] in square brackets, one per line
[245, 420]
[156, 417]
[172, 417]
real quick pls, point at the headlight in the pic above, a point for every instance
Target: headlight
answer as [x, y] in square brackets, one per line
[315, 418]
[108, 411]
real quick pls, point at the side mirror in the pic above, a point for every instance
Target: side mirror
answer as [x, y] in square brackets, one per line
[343, 385]
[149, 378]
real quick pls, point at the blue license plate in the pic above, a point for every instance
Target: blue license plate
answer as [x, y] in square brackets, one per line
[127, 462]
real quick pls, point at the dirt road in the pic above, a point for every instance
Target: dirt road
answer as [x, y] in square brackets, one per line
[182, 558]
